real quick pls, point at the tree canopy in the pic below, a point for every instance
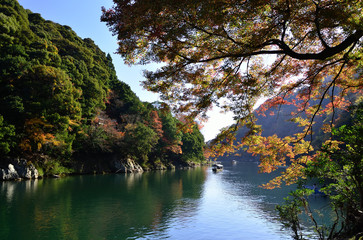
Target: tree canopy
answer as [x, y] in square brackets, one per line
[233, 53]
[60, 99]
[213, 49]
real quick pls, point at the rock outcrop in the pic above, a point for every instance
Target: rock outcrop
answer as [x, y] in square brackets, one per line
[26, 170]
[8, 173]
[18, 169]
[106, 163]
[127, 166]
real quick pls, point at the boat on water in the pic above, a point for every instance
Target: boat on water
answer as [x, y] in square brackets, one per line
[234, 162]
[216, 167]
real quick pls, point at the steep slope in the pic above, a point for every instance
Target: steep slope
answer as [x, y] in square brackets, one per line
[61, 102]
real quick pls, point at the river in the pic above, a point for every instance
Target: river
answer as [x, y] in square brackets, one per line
[181, 204]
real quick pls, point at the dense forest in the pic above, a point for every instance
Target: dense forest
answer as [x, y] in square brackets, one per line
[61, 103]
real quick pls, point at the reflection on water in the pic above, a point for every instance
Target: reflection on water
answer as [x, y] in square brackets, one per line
[96, 207]
[191, 204]
[8, 189]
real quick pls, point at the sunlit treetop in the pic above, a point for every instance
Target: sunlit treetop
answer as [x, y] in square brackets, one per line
[231, 53]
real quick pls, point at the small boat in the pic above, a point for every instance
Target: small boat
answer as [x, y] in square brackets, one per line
[234, 162]
[216, 167]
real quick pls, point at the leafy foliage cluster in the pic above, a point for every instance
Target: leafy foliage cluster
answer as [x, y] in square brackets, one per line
[60, 98]
[338, 168]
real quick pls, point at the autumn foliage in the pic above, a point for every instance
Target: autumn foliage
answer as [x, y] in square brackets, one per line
[231, 54]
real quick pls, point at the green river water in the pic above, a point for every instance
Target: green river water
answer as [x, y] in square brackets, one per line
[181, 204]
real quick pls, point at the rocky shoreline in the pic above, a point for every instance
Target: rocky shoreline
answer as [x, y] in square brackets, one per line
[21, 169]
[18, 169]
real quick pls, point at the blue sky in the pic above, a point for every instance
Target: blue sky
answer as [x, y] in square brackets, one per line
[83, 16]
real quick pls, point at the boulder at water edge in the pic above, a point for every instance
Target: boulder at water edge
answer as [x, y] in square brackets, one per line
[8, 173]
[26, 170]
[18, 169]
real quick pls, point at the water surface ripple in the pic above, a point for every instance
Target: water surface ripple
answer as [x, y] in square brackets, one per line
[188, 204]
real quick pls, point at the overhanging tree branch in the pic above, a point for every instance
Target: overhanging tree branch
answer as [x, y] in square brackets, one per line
[285, 49]
[324, 54]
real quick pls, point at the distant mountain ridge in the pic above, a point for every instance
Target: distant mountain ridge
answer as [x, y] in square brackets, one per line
[277, 120]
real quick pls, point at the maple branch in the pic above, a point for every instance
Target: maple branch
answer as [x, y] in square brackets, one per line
[299, 83]
[213, 33]
[324, 54]
[284, 24]
[237, 55]
[323, 95]
[317, 24]
[285, 49]
[333, 107]
[209, 96]
[283, 58]
[229, 37]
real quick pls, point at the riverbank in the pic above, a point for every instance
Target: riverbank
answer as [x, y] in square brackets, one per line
[21, 169]
[151, 205]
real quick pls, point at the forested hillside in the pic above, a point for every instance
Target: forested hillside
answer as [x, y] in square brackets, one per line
[61, 102]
